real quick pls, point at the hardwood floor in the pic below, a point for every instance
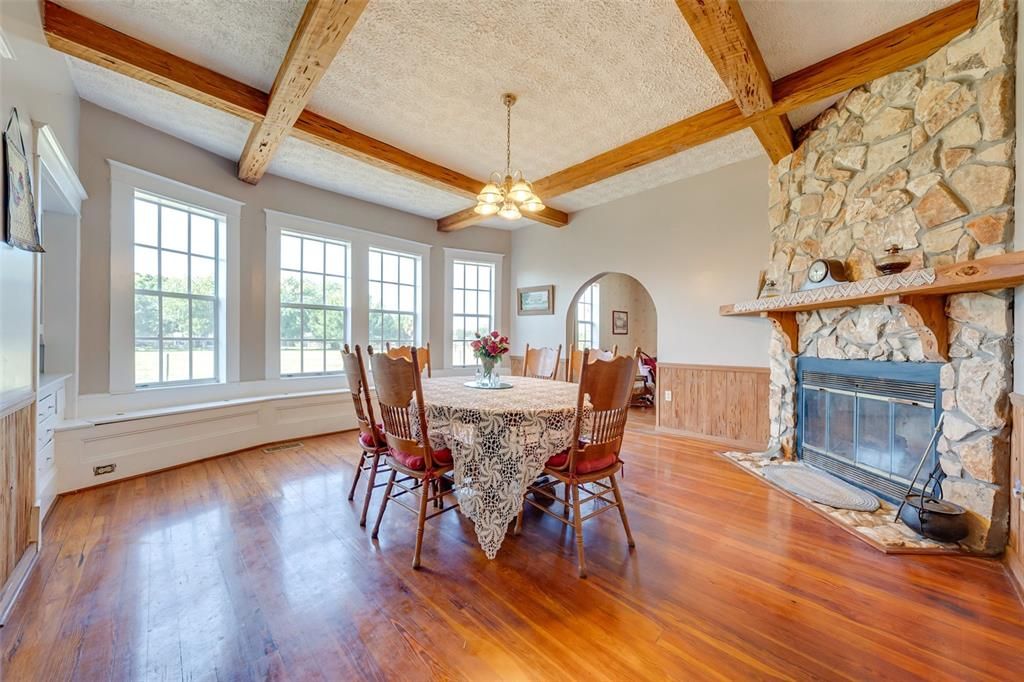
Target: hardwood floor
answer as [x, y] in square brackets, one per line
[253, 566]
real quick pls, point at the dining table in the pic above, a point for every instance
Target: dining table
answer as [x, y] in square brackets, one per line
[500, 439]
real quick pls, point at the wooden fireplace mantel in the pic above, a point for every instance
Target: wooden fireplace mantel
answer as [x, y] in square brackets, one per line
[921, 294]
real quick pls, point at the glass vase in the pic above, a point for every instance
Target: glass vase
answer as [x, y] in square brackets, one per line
[490, 375]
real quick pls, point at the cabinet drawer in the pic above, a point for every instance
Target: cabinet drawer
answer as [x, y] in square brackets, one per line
[46, 407]
[44, 431]
[44, 458]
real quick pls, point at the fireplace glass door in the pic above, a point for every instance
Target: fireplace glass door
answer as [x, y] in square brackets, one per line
[869, 429]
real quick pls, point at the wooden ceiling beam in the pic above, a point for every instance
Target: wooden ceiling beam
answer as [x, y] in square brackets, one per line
[91, 41]
[892, 51]
[321, 32]
[776, 136]
[716, 122]
[897, 49]
[723, 32]
[85, 39]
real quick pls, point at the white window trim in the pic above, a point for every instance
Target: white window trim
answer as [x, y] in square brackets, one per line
[450, 256]
[359, 242]
[124, 180]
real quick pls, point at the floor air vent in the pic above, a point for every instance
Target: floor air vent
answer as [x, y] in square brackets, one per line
[283, 446]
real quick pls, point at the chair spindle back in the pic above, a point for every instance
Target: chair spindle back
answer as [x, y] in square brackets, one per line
[399, 392]
[541, 363]
[574, 362]
[609, 385]
[406, 352]
[355, 372]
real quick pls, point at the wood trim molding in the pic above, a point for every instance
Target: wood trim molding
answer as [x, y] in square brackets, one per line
[1014, 554]
[724, 368]
[746, 445]
[321, 32]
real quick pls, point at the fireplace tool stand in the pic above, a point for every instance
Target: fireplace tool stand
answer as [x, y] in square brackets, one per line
[927, 514]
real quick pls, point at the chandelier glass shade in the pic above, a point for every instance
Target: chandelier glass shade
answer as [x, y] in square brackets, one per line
[508, 194]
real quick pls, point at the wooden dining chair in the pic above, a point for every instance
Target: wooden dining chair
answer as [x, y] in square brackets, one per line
[423, 353]
[593, 457]
[574, 363]
[371, 437]
[399, 389]
[541, 363]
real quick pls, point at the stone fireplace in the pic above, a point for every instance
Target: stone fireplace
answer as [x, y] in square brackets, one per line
[922, 158]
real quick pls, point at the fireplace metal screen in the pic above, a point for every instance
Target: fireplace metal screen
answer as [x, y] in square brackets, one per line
[868, 422]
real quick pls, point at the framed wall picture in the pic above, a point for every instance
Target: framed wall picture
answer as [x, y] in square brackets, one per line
[20, 228]
[536, 300]
[620, 322]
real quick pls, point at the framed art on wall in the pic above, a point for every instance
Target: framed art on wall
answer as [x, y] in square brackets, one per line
[620, 322]
[536, 300]
[20, 228]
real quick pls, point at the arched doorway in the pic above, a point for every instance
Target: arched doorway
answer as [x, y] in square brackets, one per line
[613, 309]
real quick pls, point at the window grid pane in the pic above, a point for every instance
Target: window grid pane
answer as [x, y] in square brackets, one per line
[394, 305]
[177, 261]
[587, 317]
[472, 308]
[314, 305]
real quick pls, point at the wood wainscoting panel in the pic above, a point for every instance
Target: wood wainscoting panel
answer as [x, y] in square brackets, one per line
[1015, 547]
[727, 404]
[17, 490]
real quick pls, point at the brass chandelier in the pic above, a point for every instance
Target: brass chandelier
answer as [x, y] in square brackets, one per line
[508, 194]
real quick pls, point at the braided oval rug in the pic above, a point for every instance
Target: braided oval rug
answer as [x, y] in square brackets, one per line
[819, 486]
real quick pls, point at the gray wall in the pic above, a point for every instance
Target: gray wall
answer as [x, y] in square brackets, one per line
[693, 244]
[37, 83]
[106, 135]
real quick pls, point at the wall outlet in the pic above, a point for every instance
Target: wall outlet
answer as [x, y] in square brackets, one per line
[105, 469]
[668, 396]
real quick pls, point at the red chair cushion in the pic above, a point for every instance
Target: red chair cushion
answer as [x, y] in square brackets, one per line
[442, 457]
[366, 440]
[582, 466]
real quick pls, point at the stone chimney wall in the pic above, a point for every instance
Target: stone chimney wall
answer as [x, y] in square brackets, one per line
[922, 158]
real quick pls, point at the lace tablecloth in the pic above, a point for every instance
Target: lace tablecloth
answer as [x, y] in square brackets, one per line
[500, 440]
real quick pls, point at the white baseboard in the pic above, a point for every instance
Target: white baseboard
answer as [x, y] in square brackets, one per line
[46, 485]
[150, 443]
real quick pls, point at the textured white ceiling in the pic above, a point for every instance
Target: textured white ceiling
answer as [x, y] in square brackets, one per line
[210, 129]
[426, 75]
[589, 75]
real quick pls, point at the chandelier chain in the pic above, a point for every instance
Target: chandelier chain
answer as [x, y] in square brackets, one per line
[508, 137]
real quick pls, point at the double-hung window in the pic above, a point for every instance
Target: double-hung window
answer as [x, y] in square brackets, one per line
[472, 307]
[587, 315]
[174, 286]
[472, 304]
[333, 284]
[394, 310]
[314, 304]
[178, 252]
